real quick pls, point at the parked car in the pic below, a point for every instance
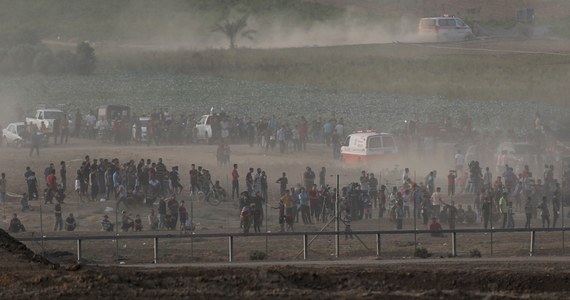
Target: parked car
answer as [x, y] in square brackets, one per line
[47, 117]
[15, 134]
[445, 29]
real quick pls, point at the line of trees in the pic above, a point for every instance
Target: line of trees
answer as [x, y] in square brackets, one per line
[24, 53]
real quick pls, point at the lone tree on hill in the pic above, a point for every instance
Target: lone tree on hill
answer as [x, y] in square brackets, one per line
[235, 29]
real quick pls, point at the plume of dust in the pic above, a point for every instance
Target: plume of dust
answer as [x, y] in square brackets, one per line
[350, 30]
[12, 109]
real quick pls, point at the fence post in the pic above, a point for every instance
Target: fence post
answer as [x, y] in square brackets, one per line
[378, 244]
[453, 244]
[78, 251]
[155, 251]
[531, 250]
[231, 248]
[305, 246]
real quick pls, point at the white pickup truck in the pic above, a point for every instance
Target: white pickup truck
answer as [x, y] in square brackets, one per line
[204, 128]
[46, 116]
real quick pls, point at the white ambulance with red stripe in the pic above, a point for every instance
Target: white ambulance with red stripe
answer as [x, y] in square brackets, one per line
[368, 145]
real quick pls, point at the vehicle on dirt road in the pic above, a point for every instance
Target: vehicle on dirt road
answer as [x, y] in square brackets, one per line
[47, 117]
[204, 128]
[15, 134]
[366, 146]
[445, 28]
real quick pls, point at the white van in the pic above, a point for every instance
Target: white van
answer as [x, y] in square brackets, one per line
[365, 146]
[445, 29]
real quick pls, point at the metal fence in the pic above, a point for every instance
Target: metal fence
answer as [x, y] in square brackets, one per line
[306, 242]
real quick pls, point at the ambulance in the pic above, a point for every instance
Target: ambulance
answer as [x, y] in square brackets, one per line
[367, 146]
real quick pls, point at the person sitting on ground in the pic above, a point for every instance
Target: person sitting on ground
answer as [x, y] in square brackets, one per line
[435, 228]
[138, 223]
[70, 223]
[127, 222]
[16, 225]
[106, 225]
[24, 202]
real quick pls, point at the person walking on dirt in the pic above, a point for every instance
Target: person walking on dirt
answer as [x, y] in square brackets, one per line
[555, 209]
[486, 210]
[244, 218]
[249, 182]
[436, 202]
[504, 209]
[153, 220]
[183, 215]
[322, 177]
[58, 217]
[315, 203]
[528, 208]
[36, 140]
[173, 207]
[544, 213]
[3, 188]
[235, 182]
[63, 175]
[304, 201]
[194, 187]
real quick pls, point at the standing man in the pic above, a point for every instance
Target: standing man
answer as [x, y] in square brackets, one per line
[162, 213]
[58, 218]
[451, 183]
[3, 188]
[486, 210]
[63, 175]
[235, 182]
[322, 177]
[459, 162]
[283, 182]
[436, 202]
[309, 179]
[249, 182]
[193, 181]
[36, 141]
[503, 208]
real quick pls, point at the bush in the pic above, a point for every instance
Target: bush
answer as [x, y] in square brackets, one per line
[422, 253]
[475, 253]
[85, 58]
[257, 255]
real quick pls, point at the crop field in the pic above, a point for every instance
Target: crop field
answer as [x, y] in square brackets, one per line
[377, 86]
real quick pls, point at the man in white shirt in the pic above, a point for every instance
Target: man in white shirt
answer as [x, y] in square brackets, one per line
[436, 202]
[459, 162]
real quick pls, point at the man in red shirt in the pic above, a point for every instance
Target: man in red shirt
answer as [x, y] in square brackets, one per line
[52, 186]
[451, 183]
[435, 228]
[315, 202]
[194, 179]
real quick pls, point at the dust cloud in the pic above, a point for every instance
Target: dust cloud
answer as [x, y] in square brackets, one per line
[180, 30]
